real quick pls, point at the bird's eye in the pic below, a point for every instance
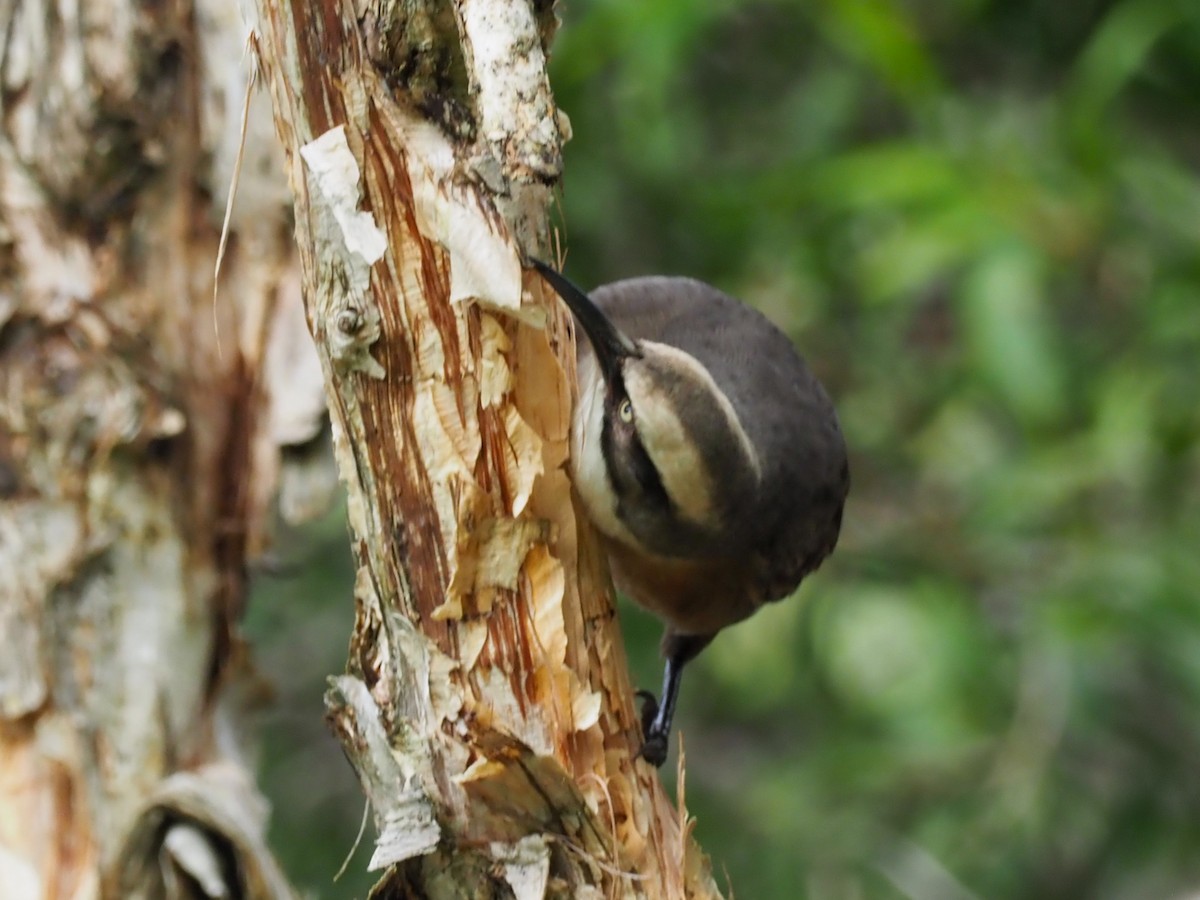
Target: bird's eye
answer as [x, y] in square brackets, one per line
[625, 411]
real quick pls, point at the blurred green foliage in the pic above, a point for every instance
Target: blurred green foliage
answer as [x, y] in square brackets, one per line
[980, 221]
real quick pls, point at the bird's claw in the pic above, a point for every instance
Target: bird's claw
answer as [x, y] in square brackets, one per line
[654, 749]
[654, 737]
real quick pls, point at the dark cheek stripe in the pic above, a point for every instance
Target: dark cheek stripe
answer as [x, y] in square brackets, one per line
[633, 475]
[647, 475]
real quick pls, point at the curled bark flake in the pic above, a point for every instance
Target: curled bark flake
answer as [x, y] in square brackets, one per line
[199, 826]
[404, 814]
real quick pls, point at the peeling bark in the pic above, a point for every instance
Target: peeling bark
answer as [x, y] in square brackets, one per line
[139, 447]
[486, 706]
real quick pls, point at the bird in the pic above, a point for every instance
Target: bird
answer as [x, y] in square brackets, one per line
[706, 455]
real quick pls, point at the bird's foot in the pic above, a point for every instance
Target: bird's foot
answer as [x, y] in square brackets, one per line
[654, 735]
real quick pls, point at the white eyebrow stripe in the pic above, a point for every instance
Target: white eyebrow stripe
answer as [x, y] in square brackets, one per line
[681, 465]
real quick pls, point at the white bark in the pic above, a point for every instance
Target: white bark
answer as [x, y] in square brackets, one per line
[136, 463]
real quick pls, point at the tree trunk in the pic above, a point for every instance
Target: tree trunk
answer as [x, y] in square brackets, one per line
[139, 439]
[486, 707]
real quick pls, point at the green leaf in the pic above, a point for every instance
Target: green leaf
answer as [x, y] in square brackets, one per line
[1011, 335]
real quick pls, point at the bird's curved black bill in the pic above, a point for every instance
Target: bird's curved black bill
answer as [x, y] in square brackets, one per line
[609, 343]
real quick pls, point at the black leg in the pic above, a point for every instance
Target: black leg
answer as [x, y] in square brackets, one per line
[657, 717]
